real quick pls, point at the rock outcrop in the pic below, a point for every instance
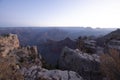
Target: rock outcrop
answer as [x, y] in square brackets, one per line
[104, 40]
[59, 75]
[86, 45]
[86, 65]
[53, 49]
[8, 43]
[24, 63]
[38, 73]
[113, 44]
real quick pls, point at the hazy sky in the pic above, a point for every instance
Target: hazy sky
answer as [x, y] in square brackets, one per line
[94, 13]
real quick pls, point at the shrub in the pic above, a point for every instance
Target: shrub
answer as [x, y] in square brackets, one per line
[9, 70]
[5, 35]
[110, 64]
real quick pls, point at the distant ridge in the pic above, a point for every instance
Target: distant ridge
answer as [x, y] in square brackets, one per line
[112, 35]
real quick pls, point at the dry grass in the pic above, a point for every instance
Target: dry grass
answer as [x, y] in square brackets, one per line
[9, 70]
[110, 64]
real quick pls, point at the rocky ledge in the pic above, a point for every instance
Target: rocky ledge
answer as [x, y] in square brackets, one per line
[8, 42]
[88, 66]
[24, 63]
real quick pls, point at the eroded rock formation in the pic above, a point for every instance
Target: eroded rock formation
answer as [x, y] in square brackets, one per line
[8, 42]
[24, 63]
[85, 64]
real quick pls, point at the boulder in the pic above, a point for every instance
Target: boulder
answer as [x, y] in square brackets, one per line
[38, 73]
[88, 66]
[59, 75]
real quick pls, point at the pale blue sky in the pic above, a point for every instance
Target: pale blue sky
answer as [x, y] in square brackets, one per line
[94, 13]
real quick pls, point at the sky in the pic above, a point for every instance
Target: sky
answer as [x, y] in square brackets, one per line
[83, 13]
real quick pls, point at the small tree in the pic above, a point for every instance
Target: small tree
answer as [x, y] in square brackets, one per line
[80, 43]
[110, 64]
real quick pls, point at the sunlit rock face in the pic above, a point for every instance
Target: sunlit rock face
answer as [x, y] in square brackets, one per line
[8, 42]
[88, 66]
[25, 63]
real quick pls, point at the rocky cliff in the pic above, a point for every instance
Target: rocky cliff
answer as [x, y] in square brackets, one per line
[104, 40]
[24, 63]
[53, 49]
[85, 64]
[8, 42]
